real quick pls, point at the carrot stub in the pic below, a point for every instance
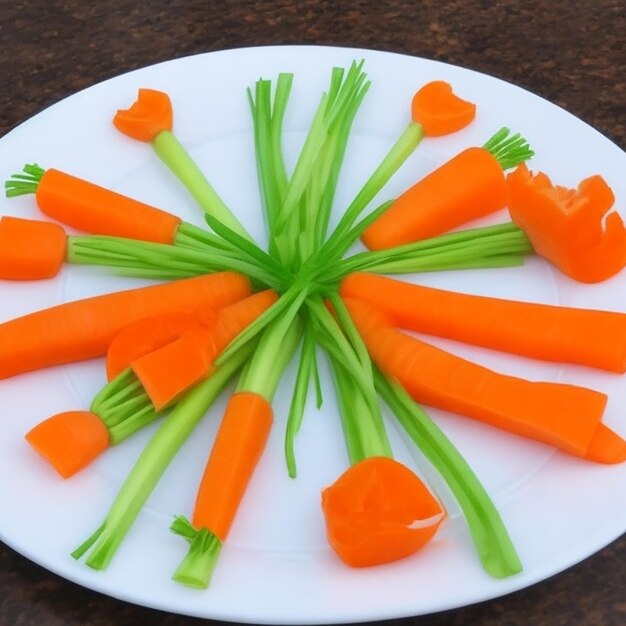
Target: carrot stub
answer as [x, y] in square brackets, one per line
[563, 334]
[69, 441]
[439, 110]
[571, 228]
[30, 249]
[239, 444]
[379, 511]
[149, 115]
[565, 416]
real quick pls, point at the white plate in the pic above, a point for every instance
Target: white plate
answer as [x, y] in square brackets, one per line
[276, 566]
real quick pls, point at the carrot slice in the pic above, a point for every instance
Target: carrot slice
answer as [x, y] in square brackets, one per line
[468, 186]
[147, 117]
[30, 249]
[439, 110]
[239, 444]
[570, 228]
[564, 416]
[84, 329]
[69, 441]
[379, 511]
[146, 336]
[563, 334]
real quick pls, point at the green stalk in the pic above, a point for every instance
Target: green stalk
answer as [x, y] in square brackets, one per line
[153, 462]
[509, 151]
[23, 184]
[492, 541]
[178, 160]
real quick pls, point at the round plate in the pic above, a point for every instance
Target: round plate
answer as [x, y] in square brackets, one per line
[276, 566]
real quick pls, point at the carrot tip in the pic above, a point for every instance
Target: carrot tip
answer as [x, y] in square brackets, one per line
[606, 447]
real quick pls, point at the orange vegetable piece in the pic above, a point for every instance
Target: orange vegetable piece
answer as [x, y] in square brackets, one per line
[69, 441]
[84, 329]
[439, 110]
[238, 446]
[566, 225]
[468, 186]
[564, 416]
[148, 116]
[553, 333]
[30, 249]
[94, 209]
[379, 511]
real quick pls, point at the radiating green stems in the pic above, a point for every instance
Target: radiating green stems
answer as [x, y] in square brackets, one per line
[509, 151]
[24, 183]
[178, 160]
[153, 462]
[492, 541]
[261, 376]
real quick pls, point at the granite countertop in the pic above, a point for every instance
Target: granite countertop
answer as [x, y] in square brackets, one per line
[571, 53]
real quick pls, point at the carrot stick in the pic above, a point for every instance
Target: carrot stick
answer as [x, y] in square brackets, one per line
[563, 334]
[83, 329]
[571, 228]
[30, 249]
[169, 371]
[378, 512]
[93, 209]
[69, 441]
[439, 110]
[561, 415]
[468, 186]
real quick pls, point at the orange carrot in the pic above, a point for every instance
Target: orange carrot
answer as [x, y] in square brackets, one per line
[439, 110]
[552, 333]
[570, 227]
[151, 114]
[561, 415]
[174, 368]
[379, 511]
[30, 249]
[470, 185]
[83, 329]
[146, 335]
[238, 446]
[70, 441]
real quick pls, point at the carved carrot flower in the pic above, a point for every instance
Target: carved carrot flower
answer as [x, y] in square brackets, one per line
[150, 115]
[571, 228]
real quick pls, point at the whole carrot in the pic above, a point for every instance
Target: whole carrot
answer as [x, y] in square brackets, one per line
[83, 329]
[470, 185]
[553, 333]
[564, 416]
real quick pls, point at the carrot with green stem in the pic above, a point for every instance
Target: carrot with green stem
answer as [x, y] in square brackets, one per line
[238, 446]
[150, 119]
[554, 333]
[470, 185]
[83, 329]
[565, 416]
[153, 375]
[153, 461]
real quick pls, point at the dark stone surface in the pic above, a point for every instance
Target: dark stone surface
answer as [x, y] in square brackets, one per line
[570, 52]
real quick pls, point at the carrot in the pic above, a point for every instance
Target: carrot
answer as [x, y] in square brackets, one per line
[30, 249]
[144, 336]
[149, 115]
[169, 371]
[564, 416]
[439, 110]
[91, 208]
[83, 329]
[69, 441]
[563, 334]
[571, 228]
[468, 186]
[379, 511]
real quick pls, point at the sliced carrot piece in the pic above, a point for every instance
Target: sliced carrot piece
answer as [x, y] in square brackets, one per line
[439, 110]
[69, 441]
[379, 511]
[148, 116]
[30, 249]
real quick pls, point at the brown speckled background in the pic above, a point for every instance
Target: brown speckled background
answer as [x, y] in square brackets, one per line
[570, 52]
